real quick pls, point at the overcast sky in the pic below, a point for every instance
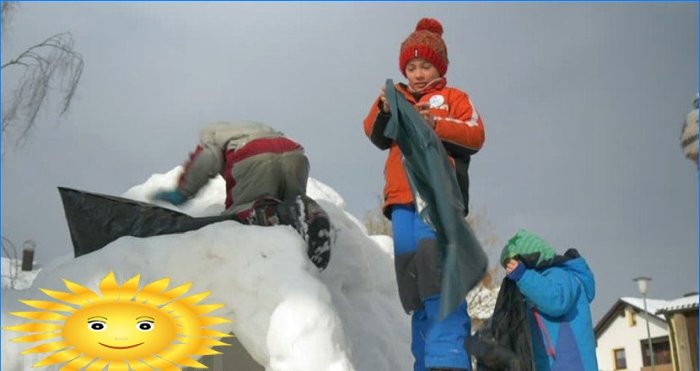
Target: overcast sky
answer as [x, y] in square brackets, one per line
[582, 103]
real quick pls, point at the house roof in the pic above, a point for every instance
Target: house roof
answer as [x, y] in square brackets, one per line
[655, 307]
[652, 306]
[679, 305]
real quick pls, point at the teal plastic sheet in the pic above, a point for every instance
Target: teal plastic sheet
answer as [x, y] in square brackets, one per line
[434, 182]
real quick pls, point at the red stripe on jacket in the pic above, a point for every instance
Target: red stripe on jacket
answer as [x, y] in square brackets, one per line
[188, 164]
[252, 148]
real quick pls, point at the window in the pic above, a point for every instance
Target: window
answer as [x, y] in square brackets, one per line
[631, 317]
[620, 359]
[661, 348]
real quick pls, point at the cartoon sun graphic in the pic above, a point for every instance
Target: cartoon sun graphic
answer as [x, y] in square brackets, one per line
[123, 329]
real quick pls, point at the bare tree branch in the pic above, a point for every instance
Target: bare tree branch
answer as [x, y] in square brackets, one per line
[47, 66]
[7, 9]
[10, 251]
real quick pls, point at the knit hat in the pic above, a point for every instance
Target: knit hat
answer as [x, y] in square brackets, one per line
[529, 248]
[426, 42]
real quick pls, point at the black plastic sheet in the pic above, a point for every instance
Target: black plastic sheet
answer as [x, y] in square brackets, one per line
[95, 220]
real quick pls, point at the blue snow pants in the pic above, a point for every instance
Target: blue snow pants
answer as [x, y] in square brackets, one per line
[434, 343]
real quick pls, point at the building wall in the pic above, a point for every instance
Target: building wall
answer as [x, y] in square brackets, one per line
[620, 335]
[692, 321]
[233, 358]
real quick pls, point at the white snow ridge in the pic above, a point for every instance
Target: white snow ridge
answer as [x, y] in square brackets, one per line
[285, 313]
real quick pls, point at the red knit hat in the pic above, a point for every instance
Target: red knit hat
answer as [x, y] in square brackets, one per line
[426, 42]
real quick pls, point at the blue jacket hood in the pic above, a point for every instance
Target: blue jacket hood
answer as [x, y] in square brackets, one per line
[579, 267]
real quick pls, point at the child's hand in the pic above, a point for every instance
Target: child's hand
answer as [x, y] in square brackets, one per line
[385, 102]
[511, 265]
[424, 110]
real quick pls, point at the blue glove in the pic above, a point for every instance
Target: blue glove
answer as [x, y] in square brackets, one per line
[517, 273]
[174, 197]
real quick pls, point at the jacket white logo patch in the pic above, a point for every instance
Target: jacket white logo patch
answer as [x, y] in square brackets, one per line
[436, 101]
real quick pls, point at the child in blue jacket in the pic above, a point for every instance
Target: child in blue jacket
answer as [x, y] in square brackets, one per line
[558, 290]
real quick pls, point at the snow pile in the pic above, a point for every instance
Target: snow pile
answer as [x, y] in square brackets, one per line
[482, 301]
[284, 312]
[13, 277]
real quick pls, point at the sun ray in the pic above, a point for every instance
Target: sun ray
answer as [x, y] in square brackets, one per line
[58, 357]
[159, 363]
[110, 289]
[156, 286]
[206, 352]
[153, 293]
[211, 321]
[118, 366]
[178, 291]
[132, 284]
[76, 363]
[189, 362]
[40, 316]
[81, 291]
[84, 298]
[98, 365]
[139, 366]
[48, 305]
[178, 352]
[212, 343]
[204, 309]
[36, 337]
[215, 334]
[46, 347]
[194, 299]
[34, 327]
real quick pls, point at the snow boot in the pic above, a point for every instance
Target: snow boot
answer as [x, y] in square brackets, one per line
[318, 239]
[315, 228]
[301, 213]
[263, 212]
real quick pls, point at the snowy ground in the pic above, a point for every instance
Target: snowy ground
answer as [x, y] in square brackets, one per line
[13, 277]
[285, 313]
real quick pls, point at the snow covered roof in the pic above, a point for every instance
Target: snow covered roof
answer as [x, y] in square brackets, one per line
[653, 305]
[658, 307]
[681, 304]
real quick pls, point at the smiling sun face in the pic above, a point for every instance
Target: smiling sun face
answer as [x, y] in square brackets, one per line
[117, 331]
[123, 329]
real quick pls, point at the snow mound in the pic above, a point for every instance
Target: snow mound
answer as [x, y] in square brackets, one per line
[284, 312]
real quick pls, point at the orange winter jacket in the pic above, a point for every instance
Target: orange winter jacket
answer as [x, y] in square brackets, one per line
[458, 125]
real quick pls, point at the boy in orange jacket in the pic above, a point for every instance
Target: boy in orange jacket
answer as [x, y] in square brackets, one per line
[436, 344]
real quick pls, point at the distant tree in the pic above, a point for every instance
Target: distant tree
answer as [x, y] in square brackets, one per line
[51, 65]
[10, 252]
[376, 223]
[7, 8]
[689, 134]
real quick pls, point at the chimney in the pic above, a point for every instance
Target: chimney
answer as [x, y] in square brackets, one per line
[28, 255]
